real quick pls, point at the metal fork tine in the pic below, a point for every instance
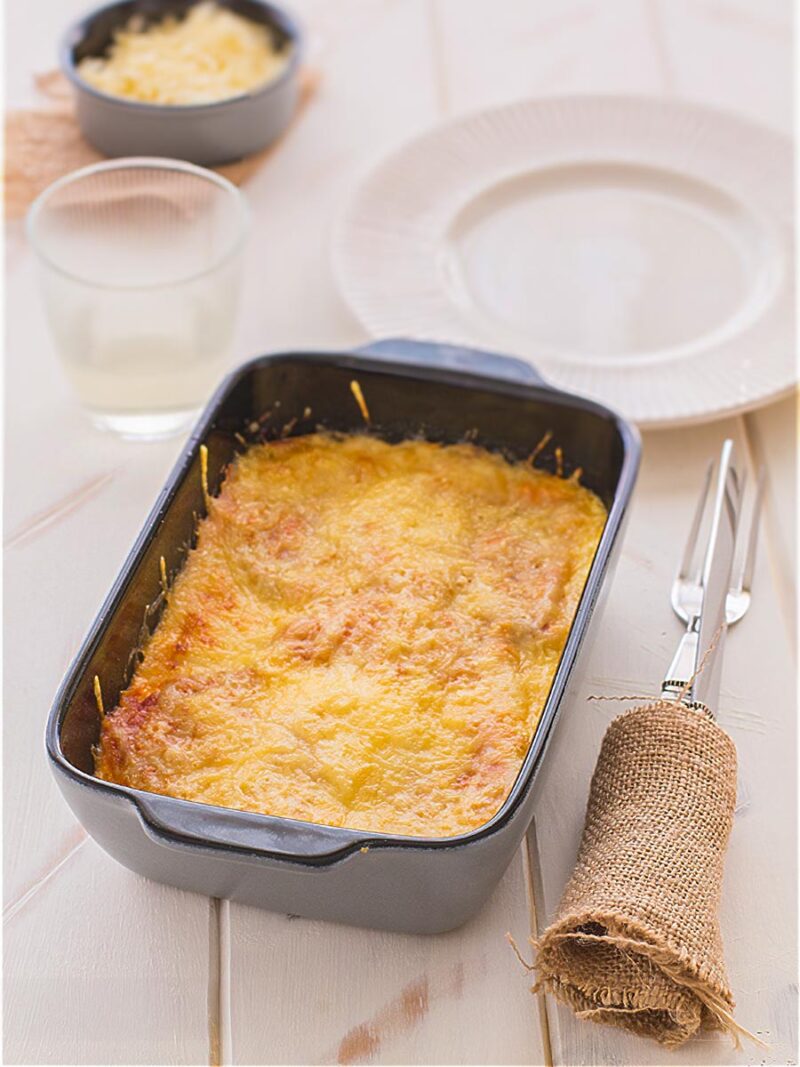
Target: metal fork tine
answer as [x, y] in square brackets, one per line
[691, 543]
[742, 488]
[746, 579]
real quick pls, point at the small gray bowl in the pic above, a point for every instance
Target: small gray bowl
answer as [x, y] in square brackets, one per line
[208, 134]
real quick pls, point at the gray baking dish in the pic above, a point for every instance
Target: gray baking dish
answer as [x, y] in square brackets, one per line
[381, 880]
[208, 134]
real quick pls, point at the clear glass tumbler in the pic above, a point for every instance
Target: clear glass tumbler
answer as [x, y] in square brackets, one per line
[140, 264]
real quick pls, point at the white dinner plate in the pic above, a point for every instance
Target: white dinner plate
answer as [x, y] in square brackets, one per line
[634, 249]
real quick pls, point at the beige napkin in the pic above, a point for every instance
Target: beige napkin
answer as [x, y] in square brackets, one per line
[45, 143]
[636, 939]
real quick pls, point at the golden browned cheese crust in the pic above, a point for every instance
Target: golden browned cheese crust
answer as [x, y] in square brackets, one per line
[365, 636]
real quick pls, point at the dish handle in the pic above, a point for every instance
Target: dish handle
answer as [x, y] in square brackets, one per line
[284, 839]
[450, 356]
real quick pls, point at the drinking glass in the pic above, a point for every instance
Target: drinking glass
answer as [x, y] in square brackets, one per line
[140, 266]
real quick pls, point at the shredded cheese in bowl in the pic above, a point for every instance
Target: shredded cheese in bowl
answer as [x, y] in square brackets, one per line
[209, 55]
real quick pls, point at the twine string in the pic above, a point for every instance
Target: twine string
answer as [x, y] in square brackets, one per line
[686, 685]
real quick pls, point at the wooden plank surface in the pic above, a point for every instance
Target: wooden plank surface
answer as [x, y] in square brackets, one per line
[773, 436]
[310, 992]
[104, 967]
[543, 48]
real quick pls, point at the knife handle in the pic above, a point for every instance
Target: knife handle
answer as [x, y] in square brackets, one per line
[679, 678]
[680, 681]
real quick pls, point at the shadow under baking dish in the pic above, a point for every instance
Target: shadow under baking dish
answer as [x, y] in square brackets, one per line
[384, 880]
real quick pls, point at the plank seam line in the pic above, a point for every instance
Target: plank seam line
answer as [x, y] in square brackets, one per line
[438, 56]
[224, 1003]
[530, 864]
[13, 909]
[767, 533]
[654, 18]
[43, 520]
[214, 976]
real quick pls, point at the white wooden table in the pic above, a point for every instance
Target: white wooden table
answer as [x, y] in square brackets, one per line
[104, 967]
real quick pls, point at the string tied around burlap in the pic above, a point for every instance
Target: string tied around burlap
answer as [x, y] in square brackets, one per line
[636, 942]
[682, 693]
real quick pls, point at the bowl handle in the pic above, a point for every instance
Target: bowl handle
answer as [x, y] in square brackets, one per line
[204, 825]
[457, 357]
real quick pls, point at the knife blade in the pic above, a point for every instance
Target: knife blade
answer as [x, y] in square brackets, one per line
[716, 580]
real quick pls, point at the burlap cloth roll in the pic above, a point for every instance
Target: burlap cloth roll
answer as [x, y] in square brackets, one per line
[636, 940]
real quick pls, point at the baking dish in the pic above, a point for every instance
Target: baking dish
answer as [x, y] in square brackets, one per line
[382, 880]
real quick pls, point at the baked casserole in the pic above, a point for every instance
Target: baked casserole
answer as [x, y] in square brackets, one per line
[364, 636]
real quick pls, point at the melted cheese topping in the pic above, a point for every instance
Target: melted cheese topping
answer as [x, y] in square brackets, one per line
[210, 54]
[364, 636]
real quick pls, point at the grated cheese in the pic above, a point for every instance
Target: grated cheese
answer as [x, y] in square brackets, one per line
[364, 636]
[211, 54]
